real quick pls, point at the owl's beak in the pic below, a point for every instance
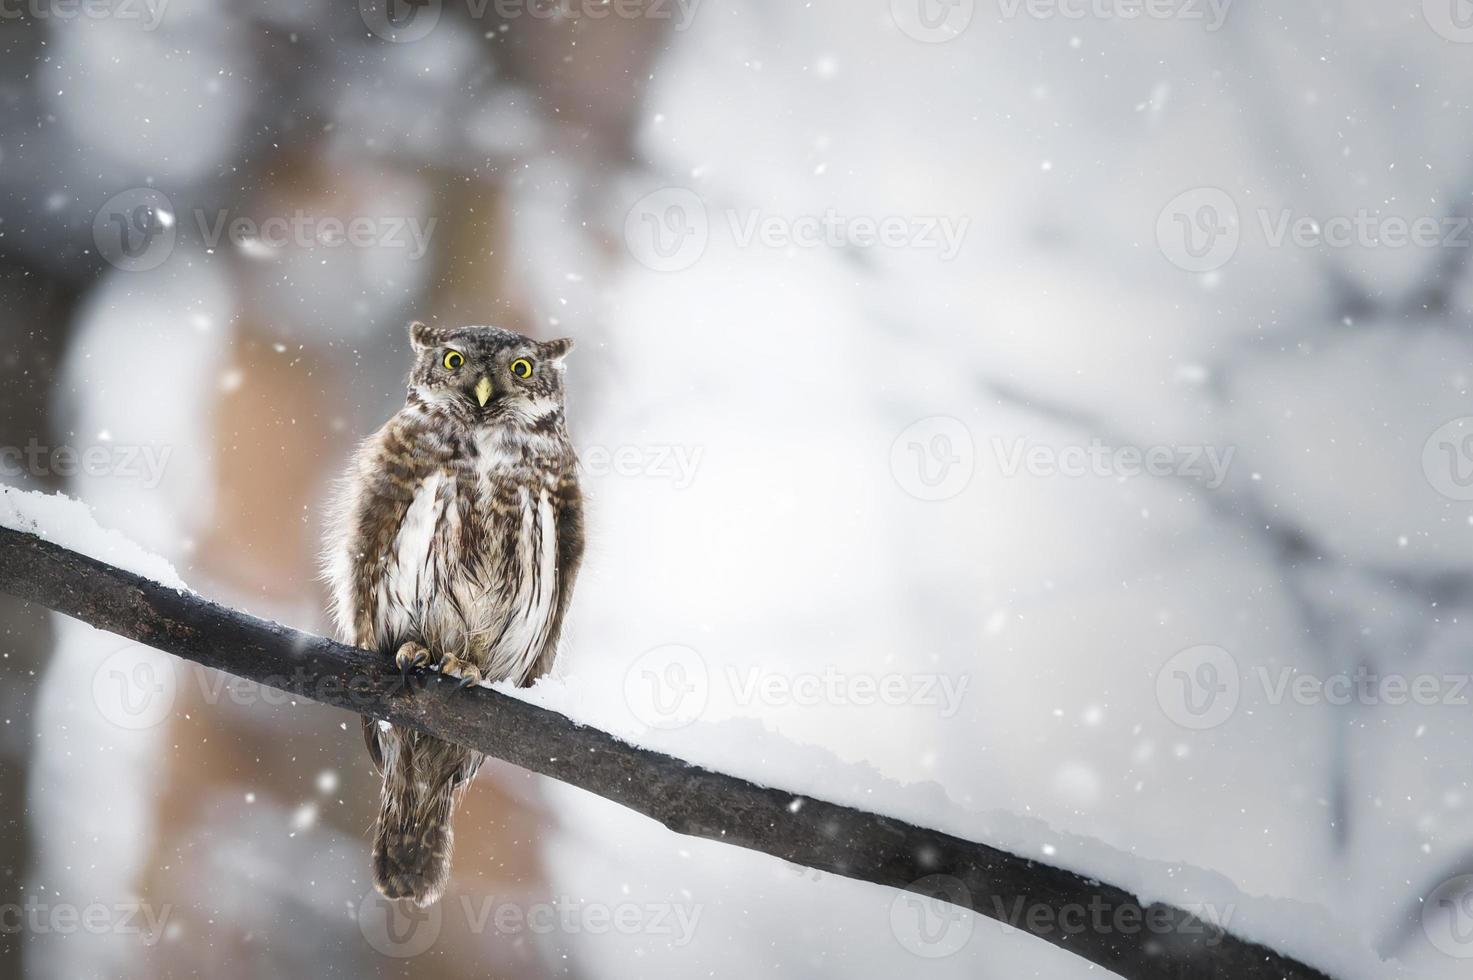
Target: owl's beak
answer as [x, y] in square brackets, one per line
[483, 391]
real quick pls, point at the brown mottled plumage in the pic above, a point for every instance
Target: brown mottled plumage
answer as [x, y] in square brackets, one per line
[456, 540]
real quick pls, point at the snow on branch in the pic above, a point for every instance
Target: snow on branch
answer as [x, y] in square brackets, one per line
[1100, 922]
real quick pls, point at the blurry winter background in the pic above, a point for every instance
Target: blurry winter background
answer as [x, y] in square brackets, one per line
[1008, 407]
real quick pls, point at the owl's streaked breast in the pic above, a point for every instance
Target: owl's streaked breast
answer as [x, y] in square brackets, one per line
[472, 570]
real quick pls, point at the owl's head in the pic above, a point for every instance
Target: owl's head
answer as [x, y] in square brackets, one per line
[486, 375]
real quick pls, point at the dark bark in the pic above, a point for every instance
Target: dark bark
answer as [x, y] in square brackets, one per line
[1137, 942]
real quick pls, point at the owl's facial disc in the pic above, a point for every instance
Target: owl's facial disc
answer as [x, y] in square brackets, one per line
[486, 376]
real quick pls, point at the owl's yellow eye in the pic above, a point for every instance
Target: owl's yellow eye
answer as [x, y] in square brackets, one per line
[522, 368]
[453, 360]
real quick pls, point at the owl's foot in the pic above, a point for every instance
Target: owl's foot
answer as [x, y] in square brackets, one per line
[410, 656]
[470, 675]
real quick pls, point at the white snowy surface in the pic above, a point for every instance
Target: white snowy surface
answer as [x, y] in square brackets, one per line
[70, 523]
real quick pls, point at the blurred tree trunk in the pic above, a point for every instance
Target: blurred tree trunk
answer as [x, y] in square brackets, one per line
[35, 313]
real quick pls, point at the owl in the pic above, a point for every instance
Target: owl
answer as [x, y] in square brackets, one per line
[454, 543]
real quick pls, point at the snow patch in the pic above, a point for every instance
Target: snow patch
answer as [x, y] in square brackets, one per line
[69, 523]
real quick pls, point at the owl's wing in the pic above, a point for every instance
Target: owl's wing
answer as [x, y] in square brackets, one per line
[569, 557]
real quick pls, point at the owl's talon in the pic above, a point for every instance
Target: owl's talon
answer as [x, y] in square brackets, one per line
[410, 656]
[468, 673]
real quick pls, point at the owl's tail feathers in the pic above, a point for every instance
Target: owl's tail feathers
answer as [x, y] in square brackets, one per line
[412, 841]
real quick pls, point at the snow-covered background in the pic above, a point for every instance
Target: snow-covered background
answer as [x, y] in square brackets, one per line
[1047, 423]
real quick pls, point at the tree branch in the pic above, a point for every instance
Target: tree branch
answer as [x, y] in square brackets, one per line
[1137, 942]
